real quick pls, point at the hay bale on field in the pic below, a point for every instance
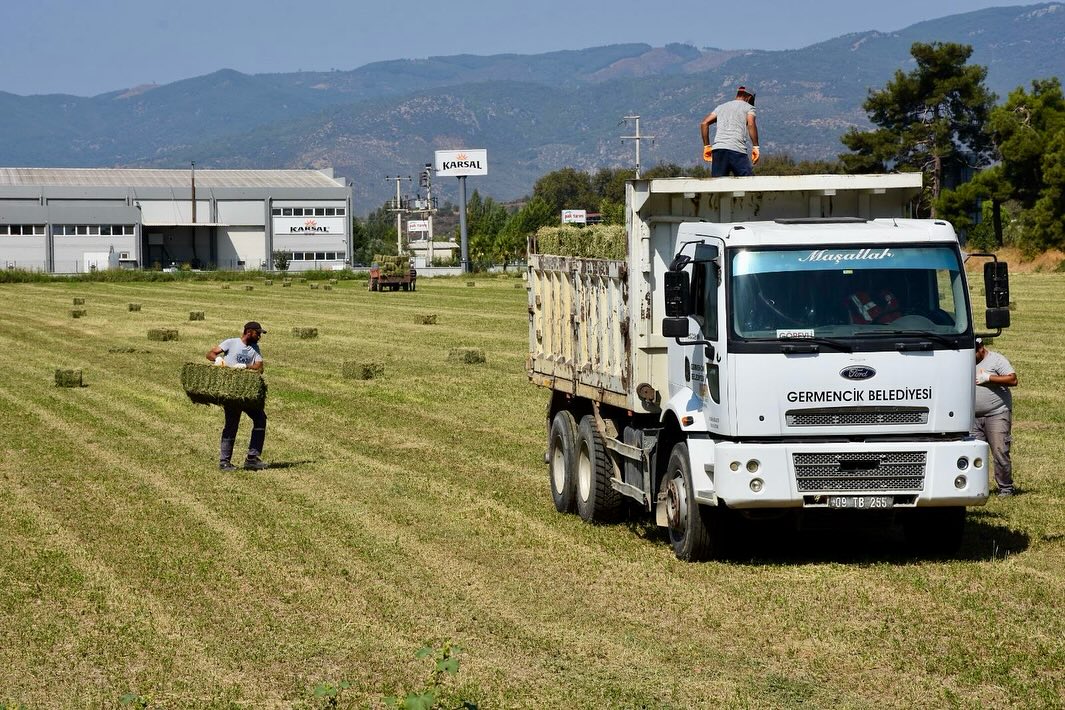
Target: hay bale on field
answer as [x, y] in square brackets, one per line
[134, 307]
[77, 312]
[208, 384]
[196, 315]
[596, 241]
[225, 287]
[334, 281]
[314, 287]
[249, 287]
[471, 283]
[68, 378]
[361, 370]
[268, 282]
[466, 356]
[305, 333]
[286, 283]
[162, 334]
[327, 287]
[519, 285]
[79, 301]
[425, 319]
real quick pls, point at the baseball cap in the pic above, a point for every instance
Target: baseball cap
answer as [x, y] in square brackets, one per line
[744, 90]
[979, 341]
[253, 325]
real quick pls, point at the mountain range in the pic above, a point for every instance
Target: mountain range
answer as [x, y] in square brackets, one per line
[534, 113]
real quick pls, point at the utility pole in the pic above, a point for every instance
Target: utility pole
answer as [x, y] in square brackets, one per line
[399, 209]
[194, 200]
[637, 138]
[426, 181]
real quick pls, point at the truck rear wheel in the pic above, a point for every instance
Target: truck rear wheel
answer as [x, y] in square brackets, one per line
[690, 525]
[597, 501]
[934, 532]
[561, 452]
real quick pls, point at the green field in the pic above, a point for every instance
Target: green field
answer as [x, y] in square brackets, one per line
[414, 508]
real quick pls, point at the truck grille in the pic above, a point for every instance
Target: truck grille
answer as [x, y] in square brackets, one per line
[857, 416]
[850, 472]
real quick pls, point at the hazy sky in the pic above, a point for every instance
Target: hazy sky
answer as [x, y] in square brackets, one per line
[88, 47]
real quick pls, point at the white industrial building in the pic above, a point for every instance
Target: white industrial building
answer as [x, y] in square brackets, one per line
[72, 220]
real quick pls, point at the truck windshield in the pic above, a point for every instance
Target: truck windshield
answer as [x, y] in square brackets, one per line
[842, 292]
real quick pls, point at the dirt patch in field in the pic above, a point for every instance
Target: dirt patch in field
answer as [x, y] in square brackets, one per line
[1048, 261]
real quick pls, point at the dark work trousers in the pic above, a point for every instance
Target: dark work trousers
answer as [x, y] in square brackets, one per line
[229, 431]
[997, 431]
[730, 162]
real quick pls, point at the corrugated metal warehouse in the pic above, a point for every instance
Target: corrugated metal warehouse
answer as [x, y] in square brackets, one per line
[72, 220]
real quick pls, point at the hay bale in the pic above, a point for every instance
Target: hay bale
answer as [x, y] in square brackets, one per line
[425, 319]
[134, 307]
[314, 287]
[207, 384]
[327, 287]
[225, 287]
[471, 283]
[68, 378]
[519, 285]
[196, 315]
[361, 370]
[596, 241]
[162, 334]
[286, 284]
[249, 287]
[466, 356]
[334, 281]
[268, 282]
[305, 333]
[392, 265]
[79, 301]
[77, 312]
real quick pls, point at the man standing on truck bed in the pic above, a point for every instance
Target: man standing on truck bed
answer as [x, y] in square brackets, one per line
[735, 125]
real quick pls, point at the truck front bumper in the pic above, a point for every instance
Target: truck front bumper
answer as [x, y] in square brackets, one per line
[792, 475]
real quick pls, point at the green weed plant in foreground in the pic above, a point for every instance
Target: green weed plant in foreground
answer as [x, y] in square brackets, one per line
[416, 505]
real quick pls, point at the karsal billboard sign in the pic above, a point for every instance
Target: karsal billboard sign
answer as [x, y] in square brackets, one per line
[456, 163]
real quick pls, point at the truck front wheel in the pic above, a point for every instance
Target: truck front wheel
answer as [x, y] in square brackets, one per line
[561, 451]
[597, 501]
[689, 524]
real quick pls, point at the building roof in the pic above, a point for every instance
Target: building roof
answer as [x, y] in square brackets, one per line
[152, 177]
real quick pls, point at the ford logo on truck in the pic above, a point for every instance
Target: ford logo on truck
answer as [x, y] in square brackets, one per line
[857, 372]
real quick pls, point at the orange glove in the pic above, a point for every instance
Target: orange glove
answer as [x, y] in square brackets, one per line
[754, 155]
[708, 153]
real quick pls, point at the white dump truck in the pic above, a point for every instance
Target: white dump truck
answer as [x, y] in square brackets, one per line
[791, 348]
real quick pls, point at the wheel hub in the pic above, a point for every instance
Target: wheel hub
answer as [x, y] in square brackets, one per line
[676, 505]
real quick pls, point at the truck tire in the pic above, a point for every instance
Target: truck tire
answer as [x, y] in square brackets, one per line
[597, 501]
[934, 532]
[691, 526]
[561, 457]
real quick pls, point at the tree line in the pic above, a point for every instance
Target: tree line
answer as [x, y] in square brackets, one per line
[996, 171]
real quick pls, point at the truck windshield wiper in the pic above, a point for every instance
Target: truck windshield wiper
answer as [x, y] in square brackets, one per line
[951, 342]
[794, 345]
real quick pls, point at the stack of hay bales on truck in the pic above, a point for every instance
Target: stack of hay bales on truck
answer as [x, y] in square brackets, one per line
[391, 273]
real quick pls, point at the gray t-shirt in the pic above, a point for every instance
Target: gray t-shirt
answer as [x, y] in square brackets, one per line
[991, 398]
[235, 352]
[732, 126]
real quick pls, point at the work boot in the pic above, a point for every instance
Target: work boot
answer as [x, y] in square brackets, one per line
[254, 463]
[226, 466]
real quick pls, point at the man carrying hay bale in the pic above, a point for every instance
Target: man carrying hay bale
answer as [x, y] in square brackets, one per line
[241, 353]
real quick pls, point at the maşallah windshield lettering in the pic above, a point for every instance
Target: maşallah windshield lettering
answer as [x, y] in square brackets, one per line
[840, 256]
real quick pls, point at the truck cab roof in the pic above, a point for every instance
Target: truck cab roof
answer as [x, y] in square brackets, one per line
[816, 231]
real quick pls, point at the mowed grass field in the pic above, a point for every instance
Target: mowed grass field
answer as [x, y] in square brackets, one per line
[415, 508]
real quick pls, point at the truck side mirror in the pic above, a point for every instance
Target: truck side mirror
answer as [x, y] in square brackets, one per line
[677, 289]
[997, 284]
[997, 318]
[675, 327]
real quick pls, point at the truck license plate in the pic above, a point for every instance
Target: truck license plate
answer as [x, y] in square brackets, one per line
[861, 502]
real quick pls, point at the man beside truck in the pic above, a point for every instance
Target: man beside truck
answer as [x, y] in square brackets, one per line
[993, 420]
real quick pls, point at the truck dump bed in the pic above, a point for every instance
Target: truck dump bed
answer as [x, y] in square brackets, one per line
[594, 323]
